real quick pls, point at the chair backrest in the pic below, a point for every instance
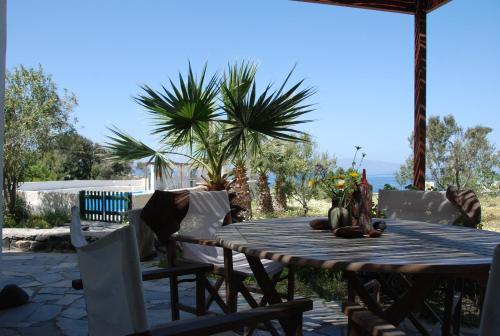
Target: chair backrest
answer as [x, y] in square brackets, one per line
[145, 237]
[112, 281]
[205, 215]
[77, 237]
[490, 315]
[425, 206]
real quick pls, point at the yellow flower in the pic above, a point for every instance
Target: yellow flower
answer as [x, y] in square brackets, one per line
[340, 184]
[312, 183]
[341, 176]
[354, 174]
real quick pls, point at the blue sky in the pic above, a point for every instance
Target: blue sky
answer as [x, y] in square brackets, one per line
[360, 61]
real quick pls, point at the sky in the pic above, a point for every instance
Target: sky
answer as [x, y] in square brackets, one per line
[360, 62]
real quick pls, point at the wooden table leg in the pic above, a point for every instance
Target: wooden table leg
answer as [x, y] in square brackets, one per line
[265, 283]
[267, 287]
[231, 285]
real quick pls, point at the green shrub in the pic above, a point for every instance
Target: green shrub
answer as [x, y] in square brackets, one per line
[9, 221]
[37, 222]
[326, 284]
[21, 210]
[56, 218]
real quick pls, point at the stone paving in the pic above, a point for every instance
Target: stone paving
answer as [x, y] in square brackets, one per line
[57, 309]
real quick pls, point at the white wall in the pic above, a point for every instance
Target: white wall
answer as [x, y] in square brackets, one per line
[3, 50]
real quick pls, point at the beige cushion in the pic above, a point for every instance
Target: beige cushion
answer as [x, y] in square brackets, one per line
[425, 206]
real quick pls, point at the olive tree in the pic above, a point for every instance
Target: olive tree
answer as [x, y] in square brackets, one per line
[35, 114]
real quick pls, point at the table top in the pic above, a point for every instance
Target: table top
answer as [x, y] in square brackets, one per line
[406, 246]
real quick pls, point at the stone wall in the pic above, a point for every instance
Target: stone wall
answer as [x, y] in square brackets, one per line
[48, 240]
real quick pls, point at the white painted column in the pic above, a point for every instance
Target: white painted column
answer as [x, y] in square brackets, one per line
[152, 182]
[3, 50]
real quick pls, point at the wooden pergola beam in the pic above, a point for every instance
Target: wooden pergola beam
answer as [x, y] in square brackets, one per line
[399, 6]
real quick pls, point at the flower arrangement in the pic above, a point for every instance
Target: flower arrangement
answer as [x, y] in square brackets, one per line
[338, 184]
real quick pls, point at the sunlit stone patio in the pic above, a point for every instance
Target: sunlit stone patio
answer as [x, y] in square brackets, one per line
[57, 309]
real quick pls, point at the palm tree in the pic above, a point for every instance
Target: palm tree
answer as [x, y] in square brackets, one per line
[214, 122]
[261, 165]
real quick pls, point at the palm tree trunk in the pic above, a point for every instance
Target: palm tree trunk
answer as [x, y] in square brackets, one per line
[243, 198]
[265, 202]
[280, 197]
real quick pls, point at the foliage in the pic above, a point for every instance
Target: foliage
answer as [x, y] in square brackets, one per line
[388, 187]
[71, 156]
[326, 284]
[56, 218]
[463, 158]
[338, 184]
[34, 114]
[297, 169]
[211, 122]
[405, 173]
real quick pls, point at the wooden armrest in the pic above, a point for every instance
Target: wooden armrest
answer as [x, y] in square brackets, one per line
[192, 240]
[162, 273]
[367, 323]
[209, 325]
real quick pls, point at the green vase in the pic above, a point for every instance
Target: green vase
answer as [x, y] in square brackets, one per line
[338, 217]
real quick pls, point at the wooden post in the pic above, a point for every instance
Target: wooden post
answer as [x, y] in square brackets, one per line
[420, 95]
[3, 50]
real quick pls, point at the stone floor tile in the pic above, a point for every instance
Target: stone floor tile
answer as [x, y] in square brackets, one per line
[30, 284]
[46, 297]
[48, 278]
[80, 303]
[331, 331]
[18, 314]
[9, 332]
[52, 290]
[62, 283]
[45, 312]
[74, 313]
[39, 329]
[72, 327]
[68, 299]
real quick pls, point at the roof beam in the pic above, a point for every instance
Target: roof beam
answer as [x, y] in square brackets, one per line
[399, 6]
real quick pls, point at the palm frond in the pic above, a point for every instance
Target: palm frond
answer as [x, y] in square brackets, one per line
[185, 109]
[271, 114]
[122, 146]
[238, 79]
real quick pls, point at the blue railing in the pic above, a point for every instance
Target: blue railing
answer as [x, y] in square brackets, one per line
[105, 206]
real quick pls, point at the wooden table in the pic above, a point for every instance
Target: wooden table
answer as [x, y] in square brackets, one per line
[428, 251]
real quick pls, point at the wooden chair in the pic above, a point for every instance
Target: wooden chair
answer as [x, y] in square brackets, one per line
[424, 206]
[364, 323]
[198, 270]
[112, 279]
[195, 239]
[490, 313]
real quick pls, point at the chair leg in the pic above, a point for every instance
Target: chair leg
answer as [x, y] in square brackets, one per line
[294, 325]
[174, 298]
[215, 296]
[290, 283]
[200, 294]
[218, 284]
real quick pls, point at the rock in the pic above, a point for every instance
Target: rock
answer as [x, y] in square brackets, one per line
[12, 296]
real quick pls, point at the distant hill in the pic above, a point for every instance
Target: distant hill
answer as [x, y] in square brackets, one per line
[372, 166]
